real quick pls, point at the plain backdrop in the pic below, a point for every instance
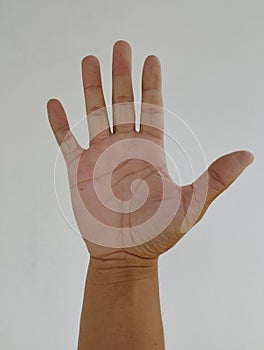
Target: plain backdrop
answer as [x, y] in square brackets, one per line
[212, 54]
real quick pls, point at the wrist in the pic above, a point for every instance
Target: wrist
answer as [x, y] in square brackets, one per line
[120, 269]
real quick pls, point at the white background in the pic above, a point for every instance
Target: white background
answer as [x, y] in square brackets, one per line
[212, 56]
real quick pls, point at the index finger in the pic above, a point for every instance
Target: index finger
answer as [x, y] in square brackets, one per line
[152, 104]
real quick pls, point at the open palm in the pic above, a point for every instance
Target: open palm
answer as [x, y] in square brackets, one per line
[121, 182]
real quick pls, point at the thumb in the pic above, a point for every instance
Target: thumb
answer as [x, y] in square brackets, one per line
[215, 180]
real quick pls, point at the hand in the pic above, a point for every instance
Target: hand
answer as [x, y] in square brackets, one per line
[186, 203]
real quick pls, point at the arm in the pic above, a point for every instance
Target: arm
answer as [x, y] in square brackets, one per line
[121, 307]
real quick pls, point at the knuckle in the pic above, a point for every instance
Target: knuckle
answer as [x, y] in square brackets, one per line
[123, 98]
[94, 109]
[216, 181]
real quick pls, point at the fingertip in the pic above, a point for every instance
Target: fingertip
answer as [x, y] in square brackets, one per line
[48, 104]
[245, 156]
[152, 59]
[120, 43]
[52, 103]
[89, 59]
[250, 157]
[151, 69]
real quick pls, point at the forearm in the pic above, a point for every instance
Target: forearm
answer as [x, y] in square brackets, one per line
[121, 309]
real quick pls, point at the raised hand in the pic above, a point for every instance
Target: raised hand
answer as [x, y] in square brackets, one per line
[140, 211]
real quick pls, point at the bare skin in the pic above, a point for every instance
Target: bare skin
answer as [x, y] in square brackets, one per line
[121, 301]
